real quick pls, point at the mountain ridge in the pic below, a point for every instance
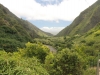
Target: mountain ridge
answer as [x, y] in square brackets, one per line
[23, 22]
[84, 22]
[15, 32]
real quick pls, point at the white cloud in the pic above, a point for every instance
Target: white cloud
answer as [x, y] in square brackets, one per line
[66, 10]
[53, 30]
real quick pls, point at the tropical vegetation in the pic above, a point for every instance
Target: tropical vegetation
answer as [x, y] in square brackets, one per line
[24, 48]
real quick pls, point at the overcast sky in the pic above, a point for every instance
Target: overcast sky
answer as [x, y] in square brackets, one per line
[48, 15]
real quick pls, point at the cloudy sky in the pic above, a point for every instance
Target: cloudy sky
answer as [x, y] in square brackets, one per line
[48, 15]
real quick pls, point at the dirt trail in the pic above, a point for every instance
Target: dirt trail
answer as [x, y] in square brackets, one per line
[52, 49]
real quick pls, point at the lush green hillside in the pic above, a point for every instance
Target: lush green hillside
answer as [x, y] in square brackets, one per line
[84, 22]
[14, 32]
[76, 55]
[85, 48]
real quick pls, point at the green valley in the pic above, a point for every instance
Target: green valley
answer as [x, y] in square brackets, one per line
[25, 49]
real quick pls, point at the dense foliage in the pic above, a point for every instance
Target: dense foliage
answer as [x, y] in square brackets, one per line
[37, 59]
[17, 64]
[68, 63]
[74, 55]
[15, 31]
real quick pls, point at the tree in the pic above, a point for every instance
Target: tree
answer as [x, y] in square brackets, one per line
[49, 62]
[15, 64]
[35, 49]
[68, 62]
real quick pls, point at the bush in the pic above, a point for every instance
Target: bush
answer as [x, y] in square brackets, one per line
[14, 64]
[68, 62]
[90, 71]
[97, 33]
[35, 49]
[90, 42]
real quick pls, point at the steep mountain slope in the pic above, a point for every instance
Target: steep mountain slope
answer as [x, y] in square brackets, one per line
[84, 22]
[6, 15]
[14, 31]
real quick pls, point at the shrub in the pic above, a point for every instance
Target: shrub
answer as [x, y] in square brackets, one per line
[35, 49]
